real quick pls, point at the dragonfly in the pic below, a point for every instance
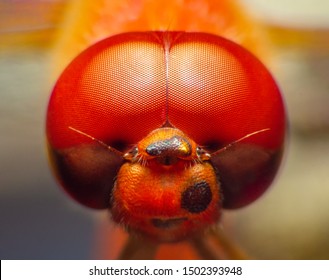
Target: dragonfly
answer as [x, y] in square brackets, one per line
[164, 115]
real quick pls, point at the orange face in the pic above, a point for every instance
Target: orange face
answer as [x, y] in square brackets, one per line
[168, 188]
[156, 126]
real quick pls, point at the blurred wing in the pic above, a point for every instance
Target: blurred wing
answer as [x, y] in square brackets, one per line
[87, 22]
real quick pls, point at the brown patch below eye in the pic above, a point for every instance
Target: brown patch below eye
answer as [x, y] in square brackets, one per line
[197, 197]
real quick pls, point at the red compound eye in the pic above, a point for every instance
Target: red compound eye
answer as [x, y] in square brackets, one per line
[124, 87]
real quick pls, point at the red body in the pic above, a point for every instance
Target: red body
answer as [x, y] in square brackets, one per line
[124, 87]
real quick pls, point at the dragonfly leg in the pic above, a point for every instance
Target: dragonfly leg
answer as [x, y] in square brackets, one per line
[137, 248]
[217, 245]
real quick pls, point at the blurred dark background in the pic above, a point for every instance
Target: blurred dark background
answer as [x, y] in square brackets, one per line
[38, 221]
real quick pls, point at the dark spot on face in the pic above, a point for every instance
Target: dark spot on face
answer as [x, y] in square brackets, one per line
[167, 223]
[197, 197]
